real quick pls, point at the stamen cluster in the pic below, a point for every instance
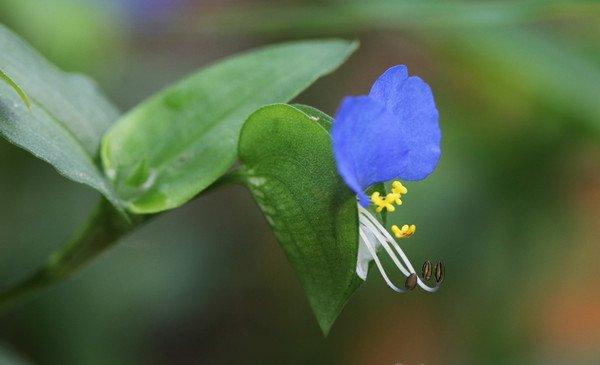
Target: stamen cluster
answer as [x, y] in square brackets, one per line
[394, 197]
[373, 235]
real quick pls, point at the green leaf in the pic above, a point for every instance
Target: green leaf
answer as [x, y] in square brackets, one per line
[178, 142]
[290, 170]
[67, 117]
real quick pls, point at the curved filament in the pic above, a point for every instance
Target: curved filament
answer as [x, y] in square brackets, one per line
[383, 237]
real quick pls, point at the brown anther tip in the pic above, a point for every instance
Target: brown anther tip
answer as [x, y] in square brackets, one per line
[439, 272]
[411, 281]
[426, 270]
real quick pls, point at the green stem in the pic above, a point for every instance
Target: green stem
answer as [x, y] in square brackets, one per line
[102, 230]
[105, 227]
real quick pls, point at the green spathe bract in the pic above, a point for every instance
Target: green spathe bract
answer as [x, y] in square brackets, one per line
[290, 170]
[177, 143]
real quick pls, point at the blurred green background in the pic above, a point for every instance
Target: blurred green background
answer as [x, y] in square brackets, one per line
[513, 208]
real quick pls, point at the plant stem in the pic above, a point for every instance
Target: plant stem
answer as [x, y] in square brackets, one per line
[102, 230]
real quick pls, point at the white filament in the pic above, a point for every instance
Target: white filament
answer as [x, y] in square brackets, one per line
[366, 242]
[372, 235]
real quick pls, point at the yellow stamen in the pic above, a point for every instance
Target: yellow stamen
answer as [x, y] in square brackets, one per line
[383, 203]
[396, 197]
[398, 188]
[404, 232]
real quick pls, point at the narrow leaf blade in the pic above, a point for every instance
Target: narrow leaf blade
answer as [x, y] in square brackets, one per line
[181, 140]
[72, 99]
[63, 124]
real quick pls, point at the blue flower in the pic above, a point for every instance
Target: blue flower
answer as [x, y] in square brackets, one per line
[392, 133]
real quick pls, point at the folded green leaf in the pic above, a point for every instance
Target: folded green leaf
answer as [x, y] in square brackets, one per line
[67, 116]
[174, 145]
[290, 170]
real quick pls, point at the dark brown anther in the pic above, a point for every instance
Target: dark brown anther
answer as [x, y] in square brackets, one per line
[411, 281]
[439, 272]
[426, 270]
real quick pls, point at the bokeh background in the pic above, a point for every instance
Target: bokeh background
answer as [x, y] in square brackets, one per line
[513, 209]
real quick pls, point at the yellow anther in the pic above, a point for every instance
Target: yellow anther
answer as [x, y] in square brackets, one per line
[404, 232]
[383, 203]
[396, 197]
[390, 199]
[398, 188]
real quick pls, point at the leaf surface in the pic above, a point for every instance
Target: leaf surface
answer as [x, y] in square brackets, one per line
[178, 142]
[67, 117]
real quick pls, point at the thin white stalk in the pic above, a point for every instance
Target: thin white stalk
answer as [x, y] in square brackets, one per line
[384, 244]
[365, 240]
[380, 230]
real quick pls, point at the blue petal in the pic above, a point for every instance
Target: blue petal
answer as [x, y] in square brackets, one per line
[410, 99]
[391, 134]
[366, 143]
